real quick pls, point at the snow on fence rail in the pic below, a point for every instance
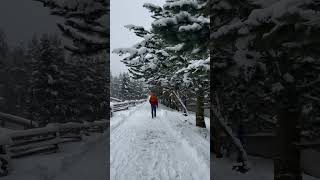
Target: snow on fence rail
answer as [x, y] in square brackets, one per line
[4, 117]
[19, 143]
[119, 106]
[115, 99]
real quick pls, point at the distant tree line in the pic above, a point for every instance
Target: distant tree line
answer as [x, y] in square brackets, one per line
[46, 84]
[126, 88]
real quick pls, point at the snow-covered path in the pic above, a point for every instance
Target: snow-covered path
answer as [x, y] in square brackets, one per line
[164, 148]
[93, 159]
[77, 160]
[261, 169]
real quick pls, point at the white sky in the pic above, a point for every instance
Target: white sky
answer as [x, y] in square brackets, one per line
[124, 12]
[20, 19]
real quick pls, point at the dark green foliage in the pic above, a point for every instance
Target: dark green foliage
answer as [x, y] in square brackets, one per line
[47, 83]
[85, 24]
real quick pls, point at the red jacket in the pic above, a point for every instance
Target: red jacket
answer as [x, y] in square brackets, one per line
[153, 100]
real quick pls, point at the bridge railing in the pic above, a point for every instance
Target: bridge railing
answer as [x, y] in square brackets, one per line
[120, 106]
[20, 143]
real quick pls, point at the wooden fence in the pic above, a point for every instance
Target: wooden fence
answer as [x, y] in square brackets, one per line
[120, 106]
[9, 118]
[20, 143]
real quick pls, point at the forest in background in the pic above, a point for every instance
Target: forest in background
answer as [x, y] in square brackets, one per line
[51, 81]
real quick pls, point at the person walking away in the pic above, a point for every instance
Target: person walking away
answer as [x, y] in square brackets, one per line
[154, 104]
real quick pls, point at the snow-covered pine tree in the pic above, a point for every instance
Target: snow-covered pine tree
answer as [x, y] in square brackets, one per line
[89, 80]
[134, 89]
[85, 24]
[125, 88]
[146, 58]
[168, 63]
[149, 60]
[47, 85]
[184, 27]
[115, 87]
[17, 76]
[277, 38]
[291, 39]
[13, 76]
[227, 85]
[139, 90]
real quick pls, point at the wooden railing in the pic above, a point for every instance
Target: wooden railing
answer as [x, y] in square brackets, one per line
[16, 144]
[9, 118]
[120, 106]
[20, 143]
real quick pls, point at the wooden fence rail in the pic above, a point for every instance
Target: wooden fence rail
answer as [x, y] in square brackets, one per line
[120, 106]
[9, 118]
[20, 143]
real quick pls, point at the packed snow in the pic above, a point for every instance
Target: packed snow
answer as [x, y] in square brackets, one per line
[167, 147]
[77, 160]
[262, 169]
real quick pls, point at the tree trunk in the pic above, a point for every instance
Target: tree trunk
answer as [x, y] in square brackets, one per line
[181, 103]
[200, 109]
[220, 124]
[216, 140]
[287, 165]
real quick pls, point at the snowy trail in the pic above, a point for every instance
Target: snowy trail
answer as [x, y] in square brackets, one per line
[262, 169]
[163, 148]
[93, 158]
[77, 160]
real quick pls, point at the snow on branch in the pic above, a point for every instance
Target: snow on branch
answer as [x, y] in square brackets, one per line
[176, 48]
[182, 4]
[138, 30]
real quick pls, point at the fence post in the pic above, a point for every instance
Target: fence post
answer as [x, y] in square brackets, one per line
[58, 139]
[5, 159]
[81, 133]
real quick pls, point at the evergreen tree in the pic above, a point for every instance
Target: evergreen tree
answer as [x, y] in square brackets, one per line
[271, 56]
[85, 24]
[47, 85]
[115, 87]
[173, 53]
[125, 88]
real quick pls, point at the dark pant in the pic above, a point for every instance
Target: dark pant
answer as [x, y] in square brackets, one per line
[154, 111]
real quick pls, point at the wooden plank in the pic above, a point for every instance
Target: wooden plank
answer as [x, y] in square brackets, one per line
[32, 132]
[18, 120]
[34, 140]
[44, 149]
[34, 145]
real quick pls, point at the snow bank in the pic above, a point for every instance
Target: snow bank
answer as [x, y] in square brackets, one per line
[261, 169]
[68, 163]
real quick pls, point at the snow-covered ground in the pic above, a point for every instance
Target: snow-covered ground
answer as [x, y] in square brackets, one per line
[261, 169]
[77, 160]
[167, 147]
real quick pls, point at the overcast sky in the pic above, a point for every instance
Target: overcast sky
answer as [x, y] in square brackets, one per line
[20, 19]
[124, 12]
